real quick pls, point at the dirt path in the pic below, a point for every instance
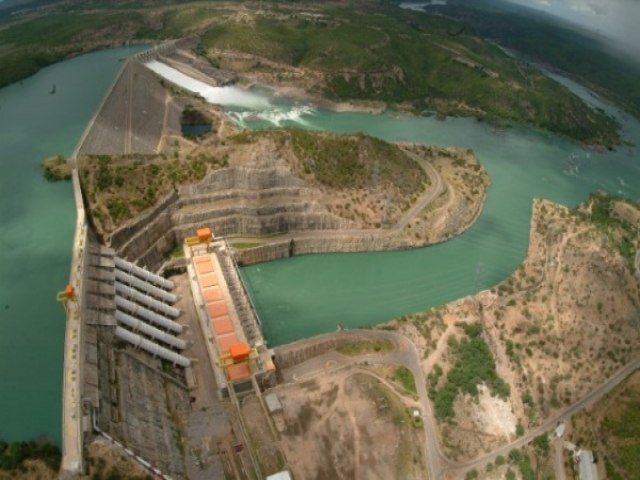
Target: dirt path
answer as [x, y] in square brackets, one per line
[428, 364]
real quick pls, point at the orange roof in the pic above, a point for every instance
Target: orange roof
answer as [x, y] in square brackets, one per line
[226, 342]
[239, 351]
[217, 309]
[208, 280]
[204, 267]
[222, 325]
[204, 234]
[202, 258]
[238, 371]
[212, 294]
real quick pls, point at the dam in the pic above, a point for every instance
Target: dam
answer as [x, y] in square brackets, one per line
[146, 354]
[147, 241]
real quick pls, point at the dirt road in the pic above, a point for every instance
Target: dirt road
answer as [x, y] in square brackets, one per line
[406, 354]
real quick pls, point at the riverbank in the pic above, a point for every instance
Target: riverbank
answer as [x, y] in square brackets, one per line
[556, 329]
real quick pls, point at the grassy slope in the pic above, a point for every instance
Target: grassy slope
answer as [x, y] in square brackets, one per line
[384, 54]
[27, 46]
[556, 44]
[398, 57]
[120, 187]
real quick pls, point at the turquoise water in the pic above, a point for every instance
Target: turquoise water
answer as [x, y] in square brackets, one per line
[295, 297]
[306, 295]
[37, 220]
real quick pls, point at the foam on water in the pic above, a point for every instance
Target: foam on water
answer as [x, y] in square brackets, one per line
[226, 96]
[277, 116]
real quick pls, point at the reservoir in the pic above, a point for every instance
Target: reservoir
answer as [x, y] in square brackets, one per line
[37, 219]
[296, 297]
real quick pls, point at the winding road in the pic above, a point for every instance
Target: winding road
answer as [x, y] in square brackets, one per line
[406, 354]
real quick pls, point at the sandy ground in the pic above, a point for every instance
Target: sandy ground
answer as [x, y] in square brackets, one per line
[347, 425]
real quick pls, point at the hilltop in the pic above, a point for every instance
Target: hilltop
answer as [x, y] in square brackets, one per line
[424, 64]
[360, 182]
[503, 361]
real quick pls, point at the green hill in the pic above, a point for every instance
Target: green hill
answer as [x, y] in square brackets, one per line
[366, 51]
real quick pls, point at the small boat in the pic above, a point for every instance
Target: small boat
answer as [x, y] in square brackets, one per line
[53, 89]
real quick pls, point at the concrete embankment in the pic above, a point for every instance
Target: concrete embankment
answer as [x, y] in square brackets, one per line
[324, 244]
[298, 352]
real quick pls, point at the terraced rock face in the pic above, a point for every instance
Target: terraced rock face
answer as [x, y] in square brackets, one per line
[561, 325]
[271, 183]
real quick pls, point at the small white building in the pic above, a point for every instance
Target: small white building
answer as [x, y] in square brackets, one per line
[273, 404]
[586, 468]
[284, 475]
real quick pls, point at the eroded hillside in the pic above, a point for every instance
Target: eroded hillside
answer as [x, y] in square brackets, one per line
[361, 182]
[505, 360]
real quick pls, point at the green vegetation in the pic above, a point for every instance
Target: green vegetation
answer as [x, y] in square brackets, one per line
[558, 44]
[363, 347]
[120, 187]
[356, 161]
[401, 57]
[622, 427]
[523, 462]
[177, 251]
[13, 455]
[620, 232]
[611, 428]
[404, 377]
[56, 168]
[473, 365]
[28, 46]
[541, 443]
[373, 53]
[471, 474]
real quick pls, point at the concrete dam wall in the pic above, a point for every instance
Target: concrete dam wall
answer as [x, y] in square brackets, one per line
[261, 198]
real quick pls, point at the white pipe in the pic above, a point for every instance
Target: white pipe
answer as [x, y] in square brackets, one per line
[152, 348]
[148, 315]
[154, 278]
[146, 287]
[139, 326]
[146, 300]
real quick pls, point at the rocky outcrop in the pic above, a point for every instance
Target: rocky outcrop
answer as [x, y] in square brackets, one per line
[238, 200]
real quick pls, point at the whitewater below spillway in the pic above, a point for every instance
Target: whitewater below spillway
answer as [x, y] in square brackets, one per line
[226, 96]
[236, 100]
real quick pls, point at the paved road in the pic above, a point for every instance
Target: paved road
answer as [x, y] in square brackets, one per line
[406, 354]
[459, 468]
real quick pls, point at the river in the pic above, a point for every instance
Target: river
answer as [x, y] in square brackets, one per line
[295, 297]
[306, 295]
